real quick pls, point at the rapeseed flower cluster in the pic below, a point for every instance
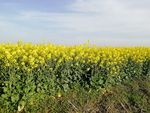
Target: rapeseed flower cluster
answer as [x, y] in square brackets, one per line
[27, 56]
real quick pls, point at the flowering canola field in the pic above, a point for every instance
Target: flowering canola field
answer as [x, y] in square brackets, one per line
[29, 56]
[29, 72]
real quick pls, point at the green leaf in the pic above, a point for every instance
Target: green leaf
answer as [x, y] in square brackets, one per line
[15, 98]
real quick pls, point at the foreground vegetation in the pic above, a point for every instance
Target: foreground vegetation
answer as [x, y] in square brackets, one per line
[75, 79]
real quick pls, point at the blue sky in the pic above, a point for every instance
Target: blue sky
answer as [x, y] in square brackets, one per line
[103, 22]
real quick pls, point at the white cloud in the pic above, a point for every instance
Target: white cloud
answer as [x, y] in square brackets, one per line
[95, 16]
